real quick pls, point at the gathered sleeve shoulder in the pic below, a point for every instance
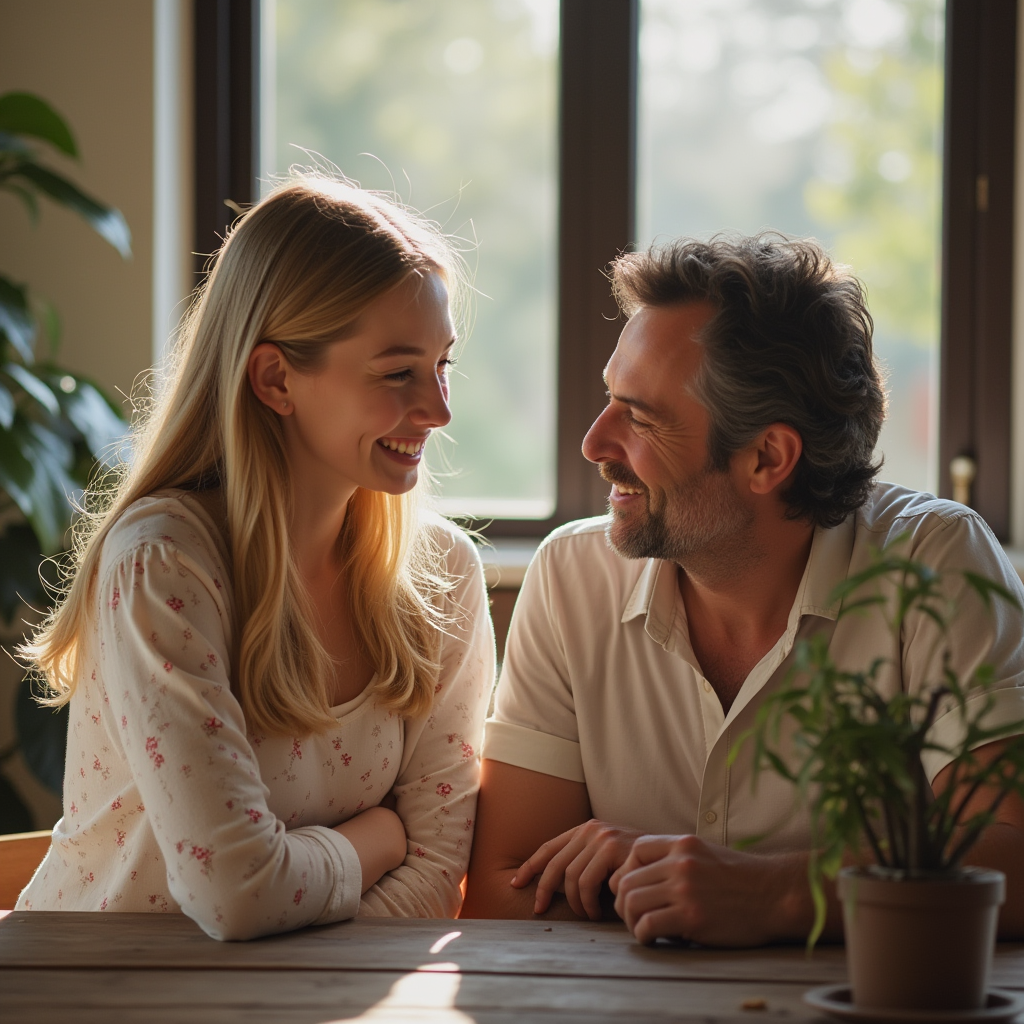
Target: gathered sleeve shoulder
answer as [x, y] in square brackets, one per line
[163, 649]
[439, 777]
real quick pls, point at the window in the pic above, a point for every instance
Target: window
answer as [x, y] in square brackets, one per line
[888, 62]
[821, 120]
[451, 104]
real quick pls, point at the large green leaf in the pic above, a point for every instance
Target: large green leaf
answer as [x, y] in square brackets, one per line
[19, 581]
[48, 508]
[16, 319]
[11, 145]
[91, 414]
[27, 197]
[15, 471]
[21, 113]
[6, 408]
[33, 386]
[105, 220]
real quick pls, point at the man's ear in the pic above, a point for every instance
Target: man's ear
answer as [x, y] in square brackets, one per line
[268, 377]
[778, 450]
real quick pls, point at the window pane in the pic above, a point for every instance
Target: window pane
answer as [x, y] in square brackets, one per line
[452, 104]
[812, 117]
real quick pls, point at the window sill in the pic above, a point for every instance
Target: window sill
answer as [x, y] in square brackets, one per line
[505, 561]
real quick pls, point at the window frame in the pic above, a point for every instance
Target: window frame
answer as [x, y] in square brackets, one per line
[976, 341]
[598, 71]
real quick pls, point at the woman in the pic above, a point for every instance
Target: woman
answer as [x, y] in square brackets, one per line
[266, 645]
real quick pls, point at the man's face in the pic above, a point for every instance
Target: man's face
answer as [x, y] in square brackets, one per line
[651, 443]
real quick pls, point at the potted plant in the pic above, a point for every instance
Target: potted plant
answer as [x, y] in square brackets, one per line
[55, 426]
[920, 927]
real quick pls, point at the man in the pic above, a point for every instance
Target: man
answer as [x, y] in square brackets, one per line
[743, 411]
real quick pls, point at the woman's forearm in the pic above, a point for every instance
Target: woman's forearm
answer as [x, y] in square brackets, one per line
[378, 837]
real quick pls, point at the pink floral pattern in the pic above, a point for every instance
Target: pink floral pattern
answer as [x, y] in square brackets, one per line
[205, 837]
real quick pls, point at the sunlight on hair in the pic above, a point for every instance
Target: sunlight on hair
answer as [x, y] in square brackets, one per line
[426, 996]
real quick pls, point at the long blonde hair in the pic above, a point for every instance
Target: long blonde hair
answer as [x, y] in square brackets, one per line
[294, 270]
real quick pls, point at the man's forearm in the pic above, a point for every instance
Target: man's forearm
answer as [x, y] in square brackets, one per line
[491, 894]
[1001, 847]
[795, 915]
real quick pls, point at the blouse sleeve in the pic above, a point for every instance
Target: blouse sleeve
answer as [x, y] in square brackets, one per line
[164, 649]
[437, 785]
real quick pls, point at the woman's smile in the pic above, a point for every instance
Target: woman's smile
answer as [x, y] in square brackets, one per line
[405, 450]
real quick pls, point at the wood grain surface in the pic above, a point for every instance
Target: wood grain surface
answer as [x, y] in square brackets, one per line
[162, 968]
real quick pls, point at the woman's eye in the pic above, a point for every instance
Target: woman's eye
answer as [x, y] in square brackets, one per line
[399, 375]
[446, 364]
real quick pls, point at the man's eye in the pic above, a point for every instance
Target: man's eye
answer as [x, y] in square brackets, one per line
[634, 422]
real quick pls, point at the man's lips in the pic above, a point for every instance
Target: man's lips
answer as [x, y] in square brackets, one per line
[621, 479]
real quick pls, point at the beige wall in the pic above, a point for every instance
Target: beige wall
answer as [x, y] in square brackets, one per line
[93, 61]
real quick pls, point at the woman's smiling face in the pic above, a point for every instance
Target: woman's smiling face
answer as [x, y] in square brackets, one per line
[363, 416]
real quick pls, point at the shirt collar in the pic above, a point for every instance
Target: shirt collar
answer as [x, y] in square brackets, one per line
[655, 592]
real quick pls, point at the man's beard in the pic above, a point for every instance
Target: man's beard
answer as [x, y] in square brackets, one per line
[697, 518]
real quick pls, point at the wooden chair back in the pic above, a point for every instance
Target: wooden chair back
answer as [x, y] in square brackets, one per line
[20, 855]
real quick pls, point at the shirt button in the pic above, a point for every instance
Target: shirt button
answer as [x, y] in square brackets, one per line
[711, 817]
[707, 686]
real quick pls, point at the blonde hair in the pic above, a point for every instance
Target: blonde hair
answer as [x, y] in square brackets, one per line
[294, 270]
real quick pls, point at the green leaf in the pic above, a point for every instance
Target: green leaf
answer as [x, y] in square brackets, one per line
[15, 471]
[27, 197]
[47, 315]
[6, 409]
[21, 113]
[16, 319]
[986, 589]
[105, 220]
[11, 145]
[51, 485]
[34, 387]
[19, 581]
[92, 415]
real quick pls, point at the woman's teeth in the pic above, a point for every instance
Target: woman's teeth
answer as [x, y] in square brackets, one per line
[403, 447]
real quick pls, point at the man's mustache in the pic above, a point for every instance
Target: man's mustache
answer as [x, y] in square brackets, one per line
[616, 473]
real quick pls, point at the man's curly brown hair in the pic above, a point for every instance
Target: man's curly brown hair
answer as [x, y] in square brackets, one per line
[790, 343]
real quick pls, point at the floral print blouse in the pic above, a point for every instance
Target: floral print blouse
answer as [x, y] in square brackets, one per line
[172, 804]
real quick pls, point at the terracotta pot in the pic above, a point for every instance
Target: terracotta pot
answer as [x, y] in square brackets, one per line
[920, 943]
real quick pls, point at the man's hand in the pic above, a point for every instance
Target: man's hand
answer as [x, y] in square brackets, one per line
[577, 863]
[683, 887]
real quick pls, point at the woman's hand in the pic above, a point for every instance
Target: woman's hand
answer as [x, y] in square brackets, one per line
[378, 836]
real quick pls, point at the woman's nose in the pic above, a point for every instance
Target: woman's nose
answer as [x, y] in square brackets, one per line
[432, 410]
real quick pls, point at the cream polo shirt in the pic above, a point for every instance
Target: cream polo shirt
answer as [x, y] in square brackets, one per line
[600, 684]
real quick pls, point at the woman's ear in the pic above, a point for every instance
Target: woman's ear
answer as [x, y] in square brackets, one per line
[778, 451]
[268, 377]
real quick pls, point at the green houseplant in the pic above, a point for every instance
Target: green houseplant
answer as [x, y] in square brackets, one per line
[855, 758]
[55, 426]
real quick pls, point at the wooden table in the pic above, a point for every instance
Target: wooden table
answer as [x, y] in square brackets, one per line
[155, 968]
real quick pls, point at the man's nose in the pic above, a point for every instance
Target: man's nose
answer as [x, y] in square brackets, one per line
[599, 445]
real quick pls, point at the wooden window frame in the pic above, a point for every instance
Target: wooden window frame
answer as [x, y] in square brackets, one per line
[596, 220]
[977, 251]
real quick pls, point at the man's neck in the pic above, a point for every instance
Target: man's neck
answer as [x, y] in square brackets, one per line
[736, 616]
